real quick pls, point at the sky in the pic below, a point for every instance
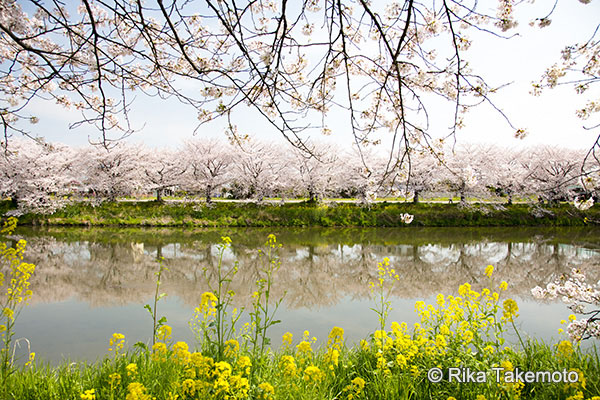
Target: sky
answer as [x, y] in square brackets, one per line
[548, 119]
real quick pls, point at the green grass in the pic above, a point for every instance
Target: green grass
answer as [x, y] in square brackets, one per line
[164, 376]
[304, 214]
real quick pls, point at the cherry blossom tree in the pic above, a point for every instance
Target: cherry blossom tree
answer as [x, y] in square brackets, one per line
[554, 172]
[163, 170]
[579, 67]
[111, 173]
[361, 175]
[313, 175]
[420, 175]
[208, 165]
[381, 64]
[258, 170]
[36, 175]
[463, 172]
[507, 173]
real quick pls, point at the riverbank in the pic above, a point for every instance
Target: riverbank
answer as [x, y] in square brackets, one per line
[381, 214]
[175, 371]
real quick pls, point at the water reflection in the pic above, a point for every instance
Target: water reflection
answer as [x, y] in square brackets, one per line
[90, 279]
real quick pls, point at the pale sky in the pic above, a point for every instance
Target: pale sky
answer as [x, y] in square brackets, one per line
[549, 119]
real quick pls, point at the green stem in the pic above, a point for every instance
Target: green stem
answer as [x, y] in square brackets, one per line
[156, 302]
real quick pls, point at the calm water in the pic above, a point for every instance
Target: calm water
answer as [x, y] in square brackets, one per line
[90, 283]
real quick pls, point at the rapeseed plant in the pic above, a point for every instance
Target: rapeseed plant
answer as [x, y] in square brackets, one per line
[16, 295]
[212, 322]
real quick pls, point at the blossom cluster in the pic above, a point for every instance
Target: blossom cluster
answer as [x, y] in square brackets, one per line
[581, 297]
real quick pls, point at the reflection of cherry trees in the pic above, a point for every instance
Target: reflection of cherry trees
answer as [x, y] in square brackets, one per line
[314, 272]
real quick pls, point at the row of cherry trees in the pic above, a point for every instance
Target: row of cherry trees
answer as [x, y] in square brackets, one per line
[41, 176]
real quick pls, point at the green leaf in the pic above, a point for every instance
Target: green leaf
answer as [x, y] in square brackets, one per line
[141, 346]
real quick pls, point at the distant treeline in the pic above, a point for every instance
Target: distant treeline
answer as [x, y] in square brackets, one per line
[39, 176]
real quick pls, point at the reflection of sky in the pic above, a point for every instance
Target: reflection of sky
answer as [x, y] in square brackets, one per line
[73, 330]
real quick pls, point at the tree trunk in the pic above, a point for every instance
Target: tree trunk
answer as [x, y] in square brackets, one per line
[509, 202]
[159, 195]
[416, 197]
[208, 193]
[312, 196]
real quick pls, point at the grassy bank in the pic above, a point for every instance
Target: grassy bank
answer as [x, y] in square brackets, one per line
[172, 371]
[307, 214]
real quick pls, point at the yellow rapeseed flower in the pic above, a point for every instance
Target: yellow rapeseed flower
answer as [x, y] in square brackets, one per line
[181, 353]
[188, 387]
[440, 300]
[313, 374]
[89, 394]
[239, 386]
[440, 342]
[231, 348]
[223, 369]
[159, 352]
[402, 361]
[355, 388]
[137, 391]
[286, 339]
[489, 270]
[132, 370]
[511, 309]
[565, 348]
[9, 313]
[468, 336]
[204, 365]
[267, 391]
[507, 365]
[244, 364]
[221, 385]
[208, 302]
[288, 366]
[336, 337]
[164, 333]
[116, 342]
[114, 380]
[332, 357]
[304, 347]
[359, 383]
[31, 359]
